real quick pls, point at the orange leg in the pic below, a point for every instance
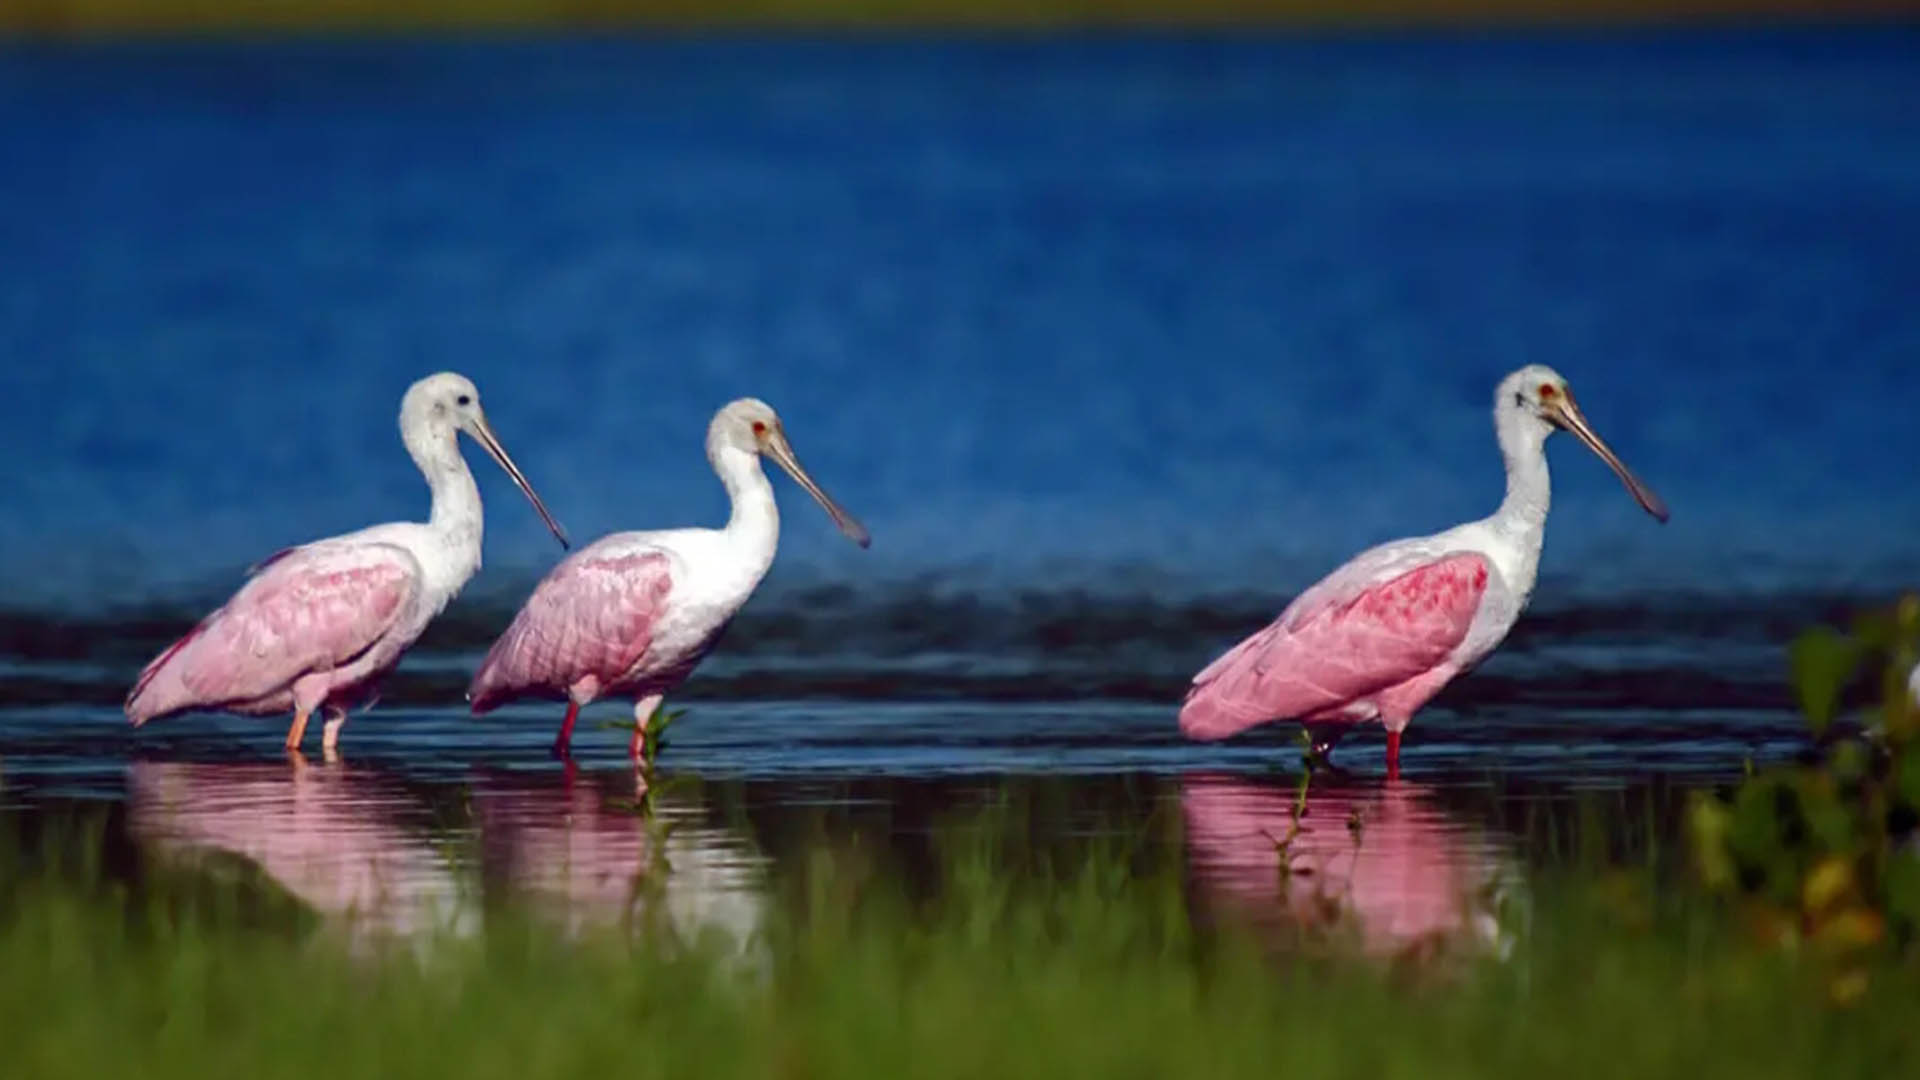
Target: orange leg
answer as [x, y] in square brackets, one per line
[299, 728]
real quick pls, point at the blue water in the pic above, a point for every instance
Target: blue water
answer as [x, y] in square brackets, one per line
[1209, 310]
[1114, 342]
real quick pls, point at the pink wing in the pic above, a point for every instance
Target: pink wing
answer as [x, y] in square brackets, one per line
[594, 615]
[312, 609]
[1344, 645]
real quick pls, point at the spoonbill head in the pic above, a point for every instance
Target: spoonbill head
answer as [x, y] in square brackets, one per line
[316, 626]
[1380, 636]
[633, 613]
[750, 426]
[1539, 394]
[437, 409]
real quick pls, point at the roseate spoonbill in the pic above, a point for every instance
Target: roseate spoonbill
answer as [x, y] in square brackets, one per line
[317, 626]
[634, 612]
[1378, 637]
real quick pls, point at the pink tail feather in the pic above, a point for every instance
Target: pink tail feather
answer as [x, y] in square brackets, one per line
[1203, 717]
[138, 711]
[493, 685]
[483, 694]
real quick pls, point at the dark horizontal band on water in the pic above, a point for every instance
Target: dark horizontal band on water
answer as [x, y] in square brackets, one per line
[54, 17]
[1667, 652]
[1046, 626]
[1668, 688]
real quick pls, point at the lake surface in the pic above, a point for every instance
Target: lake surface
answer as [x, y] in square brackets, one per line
[1115, 343]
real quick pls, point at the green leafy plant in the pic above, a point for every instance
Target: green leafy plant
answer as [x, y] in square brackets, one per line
[655, 738]
[1825, 853]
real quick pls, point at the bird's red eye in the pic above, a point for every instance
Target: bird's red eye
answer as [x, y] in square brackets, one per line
[759, 428]
[1547, 391]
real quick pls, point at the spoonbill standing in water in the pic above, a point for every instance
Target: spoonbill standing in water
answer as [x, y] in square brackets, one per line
[633, 613]
[1380, 636]
[317, 626]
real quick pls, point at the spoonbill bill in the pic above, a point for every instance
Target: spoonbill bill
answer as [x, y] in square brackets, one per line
[1380, 636]
[317, 626]
[633, 613]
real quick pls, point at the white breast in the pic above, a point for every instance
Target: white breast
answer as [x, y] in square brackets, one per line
[1514, 562]
[712, 581]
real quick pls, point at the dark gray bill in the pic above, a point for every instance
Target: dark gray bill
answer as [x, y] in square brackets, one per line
[781, 451]
[483, 434]
[1569, 416]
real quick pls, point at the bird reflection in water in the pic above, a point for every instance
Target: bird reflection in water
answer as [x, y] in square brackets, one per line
[361, 849]
[563, 845]
[1382, 864]
[352, 844]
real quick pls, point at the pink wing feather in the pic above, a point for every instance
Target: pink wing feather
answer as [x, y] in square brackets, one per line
[310, 609]
[594, 615]
[1341, 645]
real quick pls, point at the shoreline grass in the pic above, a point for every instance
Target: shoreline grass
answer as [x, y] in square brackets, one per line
[1021, 963]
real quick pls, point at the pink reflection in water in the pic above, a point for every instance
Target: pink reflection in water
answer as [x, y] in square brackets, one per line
[336, 837]
[1382, 862]
[363, 851]
[577, 850]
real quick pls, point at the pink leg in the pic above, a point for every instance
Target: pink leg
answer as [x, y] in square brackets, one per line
[1398, 705]
[563, 743]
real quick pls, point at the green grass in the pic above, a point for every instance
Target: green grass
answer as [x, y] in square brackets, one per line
[1021, 962]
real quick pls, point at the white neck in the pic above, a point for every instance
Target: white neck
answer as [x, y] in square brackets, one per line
[1521, 521]
[754, 524]
[456, 519]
